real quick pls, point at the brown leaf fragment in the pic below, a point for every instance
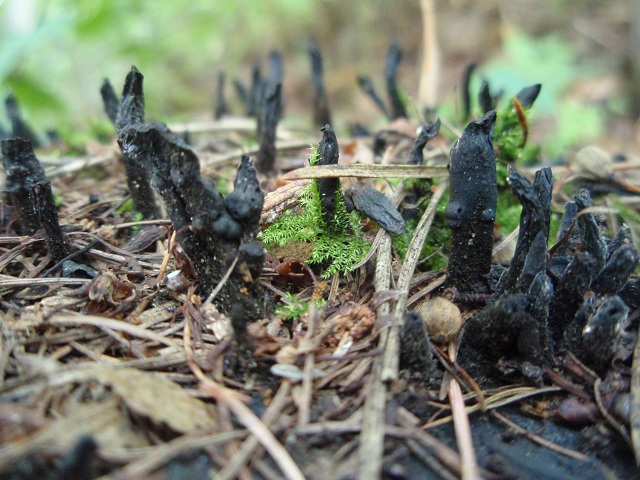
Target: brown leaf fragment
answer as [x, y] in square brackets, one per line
[18, 421]
[158, 398]
[96, 419]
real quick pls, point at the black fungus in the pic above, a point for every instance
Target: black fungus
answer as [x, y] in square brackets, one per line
[496, 330]
[416, 354]
[321, 112]
[534, 219]
[78, 462]
[27, 188]
[220, 105]
[601, 320]
[130, 111]
[19, 127]
[131, 106]
[276, 68]
[570, 291]
[375, 205]
[534, 263]
[425, 134]
[471, 211]
[328, 188]
[211, 230]
[394, 57]
[466, 91]
[591, 238]
[244, 204]
[268, 118]
[621, 264]
[250, 96]
[485, 100]
[366, 85]
[110, 100]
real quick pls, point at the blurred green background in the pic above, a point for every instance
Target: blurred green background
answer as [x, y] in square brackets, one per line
[54, 55]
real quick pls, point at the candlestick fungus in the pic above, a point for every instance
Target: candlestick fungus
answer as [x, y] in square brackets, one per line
[212, 230]
[471, 211]
[27, 188]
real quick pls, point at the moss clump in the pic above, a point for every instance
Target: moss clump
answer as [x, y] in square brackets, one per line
[295, 308]
[509, 138]
[338, 245]
[438, 234]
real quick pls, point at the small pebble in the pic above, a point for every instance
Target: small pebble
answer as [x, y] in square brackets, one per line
[595, 161]
[442, 319]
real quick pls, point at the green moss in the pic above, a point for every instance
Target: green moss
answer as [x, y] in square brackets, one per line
[438, 236]
[508, 137]
[339, 246]
[295, 308]
[126, 207]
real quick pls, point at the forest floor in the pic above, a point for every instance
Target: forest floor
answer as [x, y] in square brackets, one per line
[125, 375]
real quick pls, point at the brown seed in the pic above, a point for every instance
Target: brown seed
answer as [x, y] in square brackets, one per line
[442, 319]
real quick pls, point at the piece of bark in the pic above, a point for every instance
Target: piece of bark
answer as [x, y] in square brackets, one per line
[328, 188]
[375, 205]
[220, 105]
[425, 134]
[269, 116]
[366, 85]
[321, 112]
[535, 218]
[29, 191]
[19, 127]
[394, 57]
[471, 211]
[207, 230]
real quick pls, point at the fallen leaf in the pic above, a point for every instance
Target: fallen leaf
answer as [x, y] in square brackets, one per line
[157, 398]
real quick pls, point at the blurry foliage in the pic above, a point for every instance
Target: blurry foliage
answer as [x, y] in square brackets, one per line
[56, 68]
[177, 45]
[551, 61]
